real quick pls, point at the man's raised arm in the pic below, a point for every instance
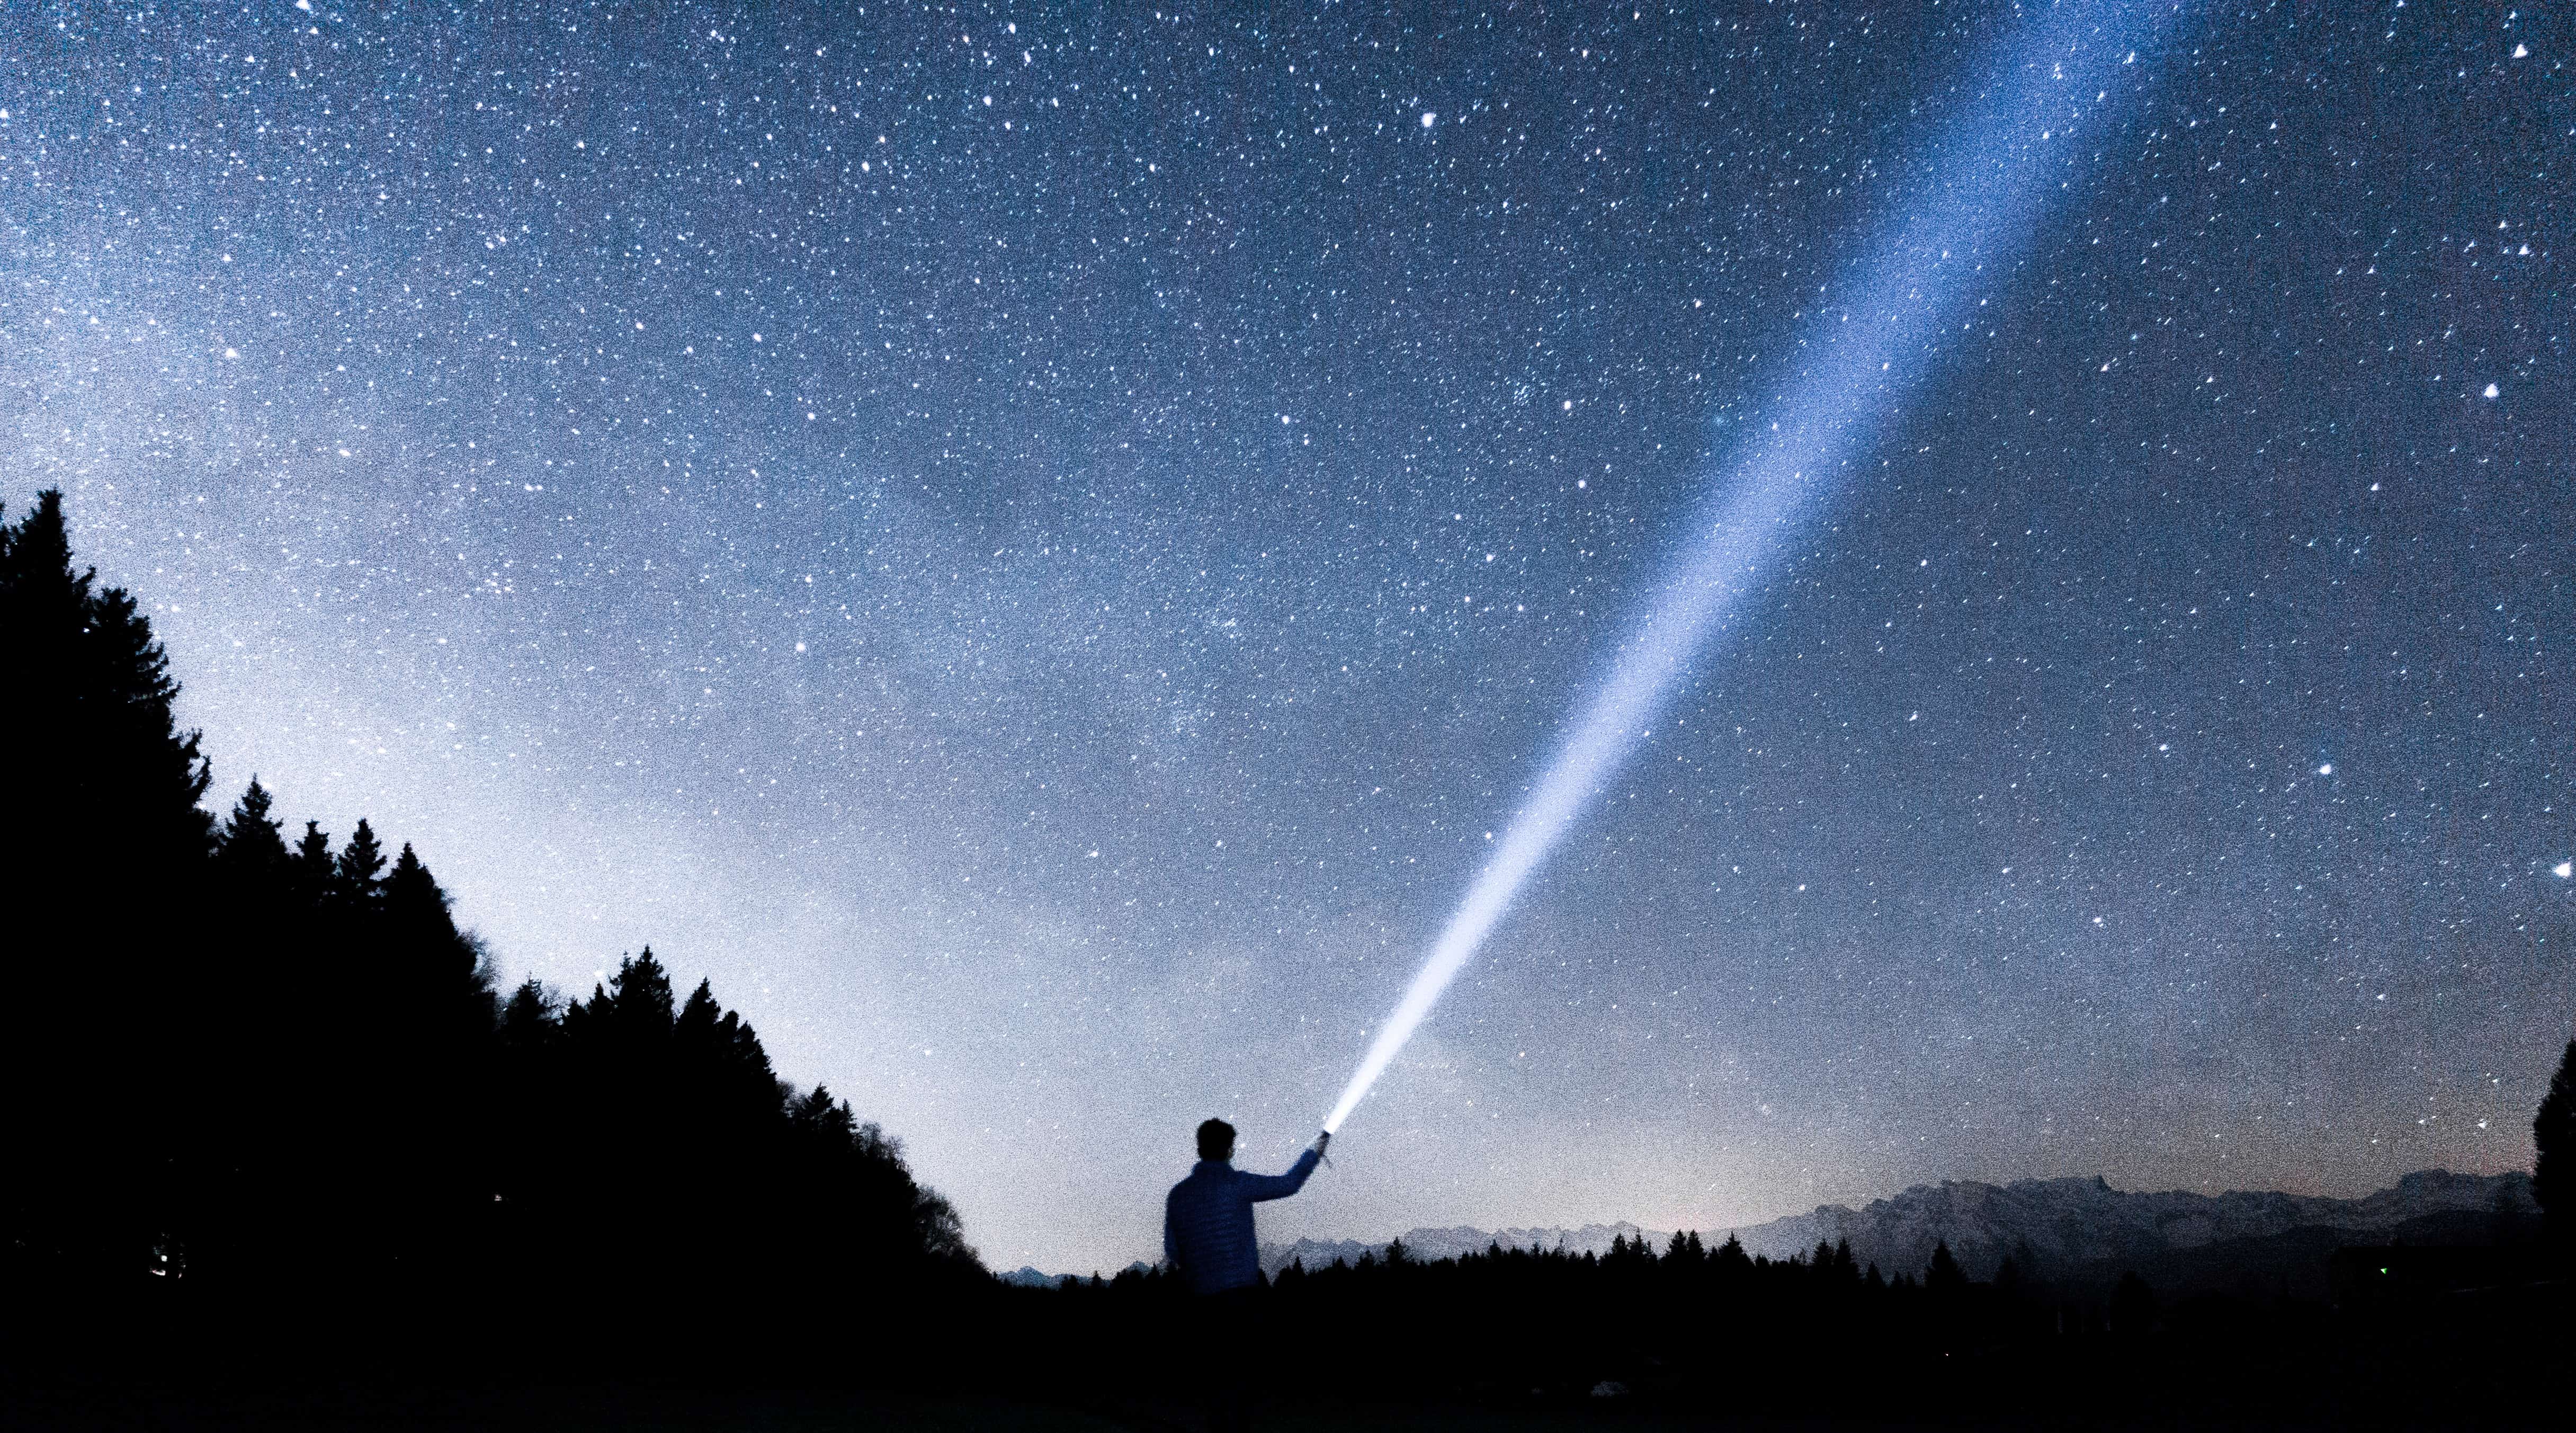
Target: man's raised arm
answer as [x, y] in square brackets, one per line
[1259, 1187]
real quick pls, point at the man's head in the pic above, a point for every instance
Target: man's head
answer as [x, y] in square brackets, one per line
[1216, 1140]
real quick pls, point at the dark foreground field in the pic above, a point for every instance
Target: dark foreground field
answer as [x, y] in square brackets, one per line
[1624, 1344]
[1042, 1361]
[666, 1411]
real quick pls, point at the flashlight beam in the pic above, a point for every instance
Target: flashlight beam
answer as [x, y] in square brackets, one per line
[1989, 185]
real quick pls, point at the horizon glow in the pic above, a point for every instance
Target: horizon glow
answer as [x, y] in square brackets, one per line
[1862, 357]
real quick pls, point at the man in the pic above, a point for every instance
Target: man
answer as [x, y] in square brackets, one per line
[1208, 1240]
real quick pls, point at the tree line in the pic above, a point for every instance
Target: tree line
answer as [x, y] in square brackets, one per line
[1514, 1322]
[1692, 1327]
[255, 1071]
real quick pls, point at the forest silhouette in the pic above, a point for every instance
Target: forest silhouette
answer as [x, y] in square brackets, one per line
[272, 1115]
[1700, 1327]
[264, 1079]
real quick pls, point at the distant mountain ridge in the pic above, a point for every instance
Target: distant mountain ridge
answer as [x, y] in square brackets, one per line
[2057, 1224]
[2053, 1226]
[1028, 1276]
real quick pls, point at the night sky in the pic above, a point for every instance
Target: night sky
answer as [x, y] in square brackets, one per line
[1034, 549]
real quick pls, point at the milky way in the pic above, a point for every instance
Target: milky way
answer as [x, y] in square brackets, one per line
[1033, 549]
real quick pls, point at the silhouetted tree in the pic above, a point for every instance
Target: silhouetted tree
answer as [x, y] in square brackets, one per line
[631, 1012]
[310, 871]
[103, 847]
[88, 726]
[250, 854]
[1683, 1254]
[1730, 1261]
[357, 876]
[527, 1021]
[1943, 1275]
[2553, 1138]
[437, 972]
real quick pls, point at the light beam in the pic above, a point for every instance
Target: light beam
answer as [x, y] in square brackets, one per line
[1989, 182]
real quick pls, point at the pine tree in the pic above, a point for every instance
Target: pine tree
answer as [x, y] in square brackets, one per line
[528, 1018]
[249, 851]
[359, 875]
[88, 728]
[699, 1014]
[2553, 1137]
[89, 720]
[410, 895]
[44, 608]
[1730, 1260]
[258, 1080]
[309, 873]
[435, 963]
[528, 1151]
[635, 1003]
[724, 1054]
[104, 846]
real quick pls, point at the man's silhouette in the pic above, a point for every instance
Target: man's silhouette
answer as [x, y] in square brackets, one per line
[1208, 1240]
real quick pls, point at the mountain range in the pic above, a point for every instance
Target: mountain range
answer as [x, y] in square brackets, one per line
[2068, 1230]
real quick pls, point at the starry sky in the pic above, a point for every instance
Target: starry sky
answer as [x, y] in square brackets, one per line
[1032, 546]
